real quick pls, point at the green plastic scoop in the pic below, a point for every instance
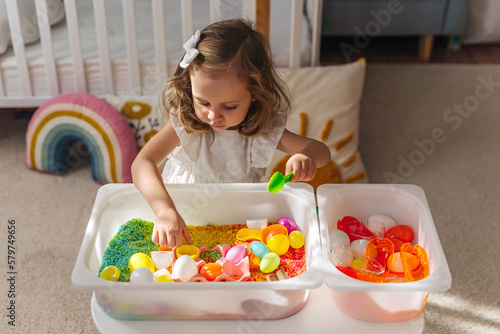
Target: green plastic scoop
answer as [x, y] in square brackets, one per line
[277, 182]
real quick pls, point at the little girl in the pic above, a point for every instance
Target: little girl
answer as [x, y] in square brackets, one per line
[228, 110]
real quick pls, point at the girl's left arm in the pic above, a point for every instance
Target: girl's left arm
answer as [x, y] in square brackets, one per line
[307, 155]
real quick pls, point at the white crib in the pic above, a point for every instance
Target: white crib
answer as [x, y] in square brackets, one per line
[130, 47]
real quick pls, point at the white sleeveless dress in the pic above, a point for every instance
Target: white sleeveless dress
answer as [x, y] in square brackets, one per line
[231, 158]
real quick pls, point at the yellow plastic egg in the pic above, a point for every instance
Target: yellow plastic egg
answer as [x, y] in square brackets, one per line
[110, 273]
[190, 250]
[358, 263]
[269, 262]
[296, 239]
[139, 260]
[278, 244]
[164, 279]
[163, 276]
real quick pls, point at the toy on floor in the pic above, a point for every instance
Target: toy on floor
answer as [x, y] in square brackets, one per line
[79, 117]
[378, 251]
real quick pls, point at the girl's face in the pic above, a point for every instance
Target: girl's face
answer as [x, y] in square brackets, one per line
[221, 102]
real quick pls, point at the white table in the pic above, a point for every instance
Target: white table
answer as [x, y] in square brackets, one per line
[319, 315]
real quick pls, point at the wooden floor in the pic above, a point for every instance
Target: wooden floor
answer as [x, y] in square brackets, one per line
[340, 50]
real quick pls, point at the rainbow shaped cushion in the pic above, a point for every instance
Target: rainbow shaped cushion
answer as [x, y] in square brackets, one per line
[79, 117]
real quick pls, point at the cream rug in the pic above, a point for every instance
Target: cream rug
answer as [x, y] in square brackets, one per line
[431, 125]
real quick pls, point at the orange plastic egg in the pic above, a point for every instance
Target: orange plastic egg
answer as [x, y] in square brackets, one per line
[271, 230]
[211, 270]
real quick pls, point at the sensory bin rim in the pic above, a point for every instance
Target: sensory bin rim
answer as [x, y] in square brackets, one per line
[84, 279]
[439, 279]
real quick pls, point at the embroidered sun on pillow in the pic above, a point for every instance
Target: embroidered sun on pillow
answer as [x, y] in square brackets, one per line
[326, 108]
[142, 113]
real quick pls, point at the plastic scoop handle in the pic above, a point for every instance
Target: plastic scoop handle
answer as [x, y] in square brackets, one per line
[245, 234]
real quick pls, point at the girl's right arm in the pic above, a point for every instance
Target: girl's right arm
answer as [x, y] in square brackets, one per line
[169, 226]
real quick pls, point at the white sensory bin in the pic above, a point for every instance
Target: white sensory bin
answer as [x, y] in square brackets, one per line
[201, 204]
[407, 205]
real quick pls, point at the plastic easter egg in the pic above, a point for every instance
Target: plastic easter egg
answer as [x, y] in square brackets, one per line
[399, 235]
[415, 262]
[259, 248]
[211, 270]
[237, 253]
[341, 256]
[254, 260]
[142, 275]
[110, 273]
[269, 263]
[139, 260]
[272, 230]
[190, 250]
[354, 228]
[162, 259]
[288, 223]
[184, 268]
[359, 247]
[164, 249]
[358, 263]
[296, 239]
[377, 255]
[165, 279]
[338, 237]
[163, 276]
[378, 224]
[402, 232]
[278, 244]
[394, 263]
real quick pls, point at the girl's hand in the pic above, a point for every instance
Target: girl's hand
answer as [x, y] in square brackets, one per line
[303, 167]
[169, 229]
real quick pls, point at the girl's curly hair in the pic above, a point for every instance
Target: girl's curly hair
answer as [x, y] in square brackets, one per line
[231, 45]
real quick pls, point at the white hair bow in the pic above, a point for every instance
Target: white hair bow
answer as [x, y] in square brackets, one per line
[191, 51]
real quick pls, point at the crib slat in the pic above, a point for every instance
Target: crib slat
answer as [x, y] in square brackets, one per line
[160, 41]
[103, 45]
[315, 18]
[131, 38]
[46, 41]
[249, 10]
[75, 44]
[296, 33]
[187, 13]
[18, 45]
[215, 10]
[2, 90]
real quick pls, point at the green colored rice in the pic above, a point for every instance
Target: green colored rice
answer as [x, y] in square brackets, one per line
[133, 237]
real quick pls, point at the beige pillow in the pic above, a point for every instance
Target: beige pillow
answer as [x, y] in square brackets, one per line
[326, 107]
[142, 113]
